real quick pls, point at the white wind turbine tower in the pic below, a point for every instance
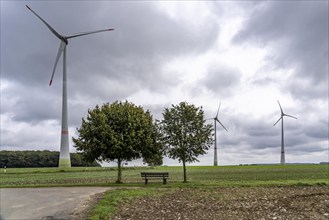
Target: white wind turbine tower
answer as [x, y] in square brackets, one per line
[215, 144]
[283, 160]
[64, 158]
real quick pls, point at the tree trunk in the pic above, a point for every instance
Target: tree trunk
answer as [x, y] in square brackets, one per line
[119, 172]
[184, 169]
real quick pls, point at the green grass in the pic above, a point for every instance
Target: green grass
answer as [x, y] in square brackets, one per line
[197, 176]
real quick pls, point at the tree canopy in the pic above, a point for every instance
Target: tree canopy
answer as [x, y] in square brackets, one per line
[185, 133]
[120, 131]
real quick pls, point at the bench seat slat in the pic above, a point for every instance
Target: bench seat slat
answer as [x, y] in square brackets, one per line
[163, 175]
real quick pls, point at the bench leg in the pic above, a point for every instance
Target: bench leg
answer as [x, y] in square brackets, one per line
[146, 181]
[164, 181]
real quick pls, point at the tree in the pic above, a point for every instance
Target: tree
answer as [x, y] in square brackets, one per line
[120, 132]
[185, 134]
[155, 158]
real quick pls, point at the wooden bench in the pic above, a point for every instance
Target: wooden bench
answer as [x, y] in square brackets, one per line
[163, 175]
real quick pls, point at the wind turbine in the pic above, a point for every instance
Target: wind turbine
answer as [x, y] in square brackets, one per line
[215, 144]
[64, 156]
[283, 160]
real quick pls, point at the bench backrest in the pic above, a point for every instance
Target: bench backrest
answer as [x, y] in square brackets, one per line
[153, 174]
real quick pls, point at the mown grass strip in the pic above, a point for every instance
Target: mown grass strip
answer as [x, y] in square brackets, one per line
[197, 176]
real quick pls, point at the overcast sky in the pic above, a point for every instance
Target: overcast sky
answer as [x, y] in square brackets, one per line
[246, 55]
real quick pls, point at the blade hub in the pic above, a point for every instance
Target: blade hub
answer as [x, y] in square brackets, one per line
[63, 38]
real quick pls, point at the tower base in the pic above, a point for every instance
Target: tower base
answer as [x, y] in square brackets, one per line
[64, 163]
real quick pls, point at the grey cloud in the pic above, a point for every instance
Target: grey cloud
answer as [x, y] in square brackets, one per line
[220, 80]
[297, 31]
[157, 110]
[29, 104]
[315, 127]
[318, 131]
[259, 134]
[303, 149]
[138, 49]
[102, 67]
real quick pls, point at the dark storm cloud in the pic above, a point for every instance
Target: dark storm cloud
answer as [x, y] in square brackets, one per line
[318, 131]
[143, 43]
[29, 104]
[102, 67]
[297, 32]
[220, 80]
[256, 133]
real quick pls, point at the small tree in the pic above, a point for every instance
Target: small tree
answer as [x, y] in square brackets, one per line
[117, 131]
[185, 133]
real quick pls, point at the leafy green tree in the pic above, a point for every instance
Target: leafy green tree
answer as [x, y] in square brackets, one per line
[120, 132]
[155, 157]
[185, 133]
[156, 160]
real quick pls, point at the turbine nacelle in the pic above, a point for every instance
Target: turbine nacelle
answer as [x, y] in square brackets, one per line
[63, 38]
[217, 120]
[283, 114]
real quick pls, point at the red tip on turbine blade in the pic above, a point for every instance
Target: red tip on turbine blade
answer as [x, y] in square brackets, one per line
[50, 82]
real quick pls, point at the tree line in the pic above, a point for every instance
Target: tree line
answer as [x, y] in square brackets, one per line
[22, 159]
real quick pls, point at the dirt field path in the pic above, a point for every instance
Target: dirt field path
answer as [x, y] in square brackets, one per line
[45, 203]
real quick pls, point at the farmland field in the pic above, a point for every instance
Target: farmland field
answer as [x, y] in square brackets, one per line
[223, 192]
[268, 203]
[258, 175]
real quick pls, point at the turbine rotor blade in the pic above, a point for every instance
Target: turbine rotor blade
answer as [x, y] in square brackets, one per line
[221, 125]
[59, 53]
[290, 116]
[218, 110]
[50, 28]
[280, 107]
[86, 33]
[277, 121]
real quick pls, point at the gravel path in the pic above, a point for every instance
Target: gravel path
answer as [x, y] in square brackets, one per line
[46, 203]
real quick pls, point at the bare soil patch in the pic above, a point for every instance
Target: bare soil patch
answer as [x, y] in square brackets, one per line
[311, 202]
[82, 212]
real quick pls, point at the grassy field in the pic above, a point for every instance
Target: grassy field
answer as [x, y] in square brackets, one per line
[198, 176]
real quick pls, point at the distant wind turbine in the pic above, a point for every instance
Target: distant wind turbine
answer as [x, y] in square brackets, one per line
[215, 144]
[64, 158]
[283, 160]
